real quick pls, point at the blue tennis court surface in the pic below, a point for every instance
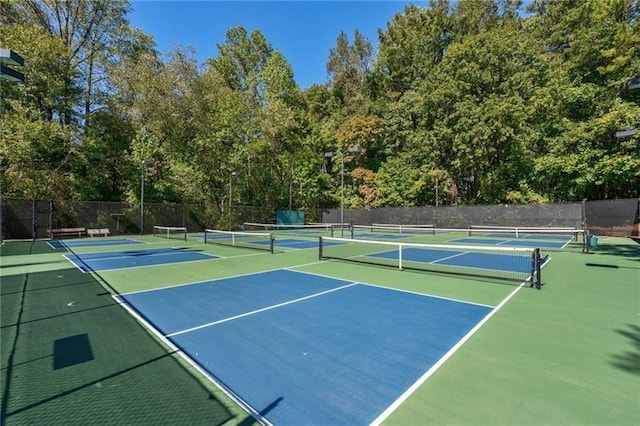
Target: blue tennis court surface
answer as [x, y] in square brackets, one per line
[492, 261]
[57, 244]
[105, 261]
[312, 349]
[512, 243]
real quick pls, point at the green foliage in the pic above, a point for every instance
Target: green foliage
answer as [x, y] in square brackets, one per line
[414, 42]
[348, 69]
[399, 184]
[37, 145]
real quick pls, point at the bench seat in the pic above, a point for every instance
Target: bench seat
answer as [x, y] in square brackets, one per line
[98, 232]
[67, 232]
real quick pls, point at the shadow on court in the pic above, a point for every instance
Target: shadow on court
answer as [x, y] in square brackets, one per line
[629, 361]
[248, 421]
[16, 248]
[71, 355]
[630, 250]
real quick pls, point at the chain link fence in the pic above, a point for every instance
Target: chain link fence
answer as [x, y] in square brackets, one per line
[617, 218]
[606, 217]
[32, 219]
[456, 217]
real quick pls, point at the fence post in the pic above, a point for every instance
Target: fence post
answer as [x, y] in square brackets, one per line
[1, 219]
[34, 220]
[637, 220]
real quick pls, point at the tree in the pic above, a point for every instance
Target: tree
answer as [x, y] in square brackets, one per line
[91, 30]
[349, 67]
[476, 107]
[413, 43]
[36, 142]
[596, 44]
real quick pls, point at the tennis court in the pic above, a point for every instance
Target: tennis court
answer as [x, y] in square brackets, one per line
[350, 376]
[261, 240]
[512, 243]
[544, 238]
[104, 261]
[288, 338]
[61, 244]
[495, 262]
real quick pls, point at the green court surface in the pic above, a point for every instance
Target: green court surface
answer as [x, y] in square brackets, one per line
[566, 354]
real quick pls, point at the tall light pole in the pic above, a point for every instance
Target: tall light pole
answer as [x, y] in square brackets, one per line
[352, 149]
[436, 190]
[144, 164]
[291, 189]
[231, 175]
[436, 173]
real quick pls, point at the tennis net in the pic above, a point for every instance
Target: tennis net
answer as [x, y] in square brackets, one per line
[176, 232]
[502, 263]
[395, 228]
[532, 233]
[252, 240]
[313, 230]
[524, 230]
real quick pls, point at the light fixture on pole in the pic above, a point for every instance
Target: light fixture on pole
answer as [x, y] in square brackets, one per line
[352, 149]
[10, 58]
[144, 164]
[626, 133]
[632, 83]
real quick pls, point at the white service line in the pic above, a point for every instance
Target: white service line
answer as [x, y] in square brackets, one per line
[260, 310]
[386, 413]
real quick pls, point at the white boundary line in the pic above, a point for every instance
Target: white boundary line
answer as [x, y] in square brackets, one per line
[452, 247]
[245, 405]
[124, 256]
[60, 241]
[267, 308]
[212, 256]
[386, 413]
[76, 265]
[450, 299]
[482, 243]
[213, 280]
[437, 262]
[395, 289]
[235, 398]
[98, 242]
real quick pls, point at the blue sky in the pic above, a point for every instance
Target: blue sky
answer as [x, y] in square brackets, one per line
[303, 31]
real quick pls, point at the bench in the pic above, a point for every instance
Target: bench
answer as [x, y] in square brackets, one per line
[66, 232]
[102, 232]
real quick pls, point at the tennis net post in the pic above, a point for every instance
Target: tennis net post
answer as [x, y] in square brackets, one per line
[536, 265]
